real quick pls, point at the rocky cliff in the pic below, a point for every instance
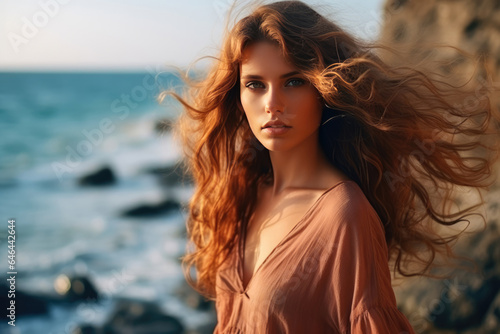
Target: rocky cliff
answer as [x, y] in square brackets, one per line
[423, 31]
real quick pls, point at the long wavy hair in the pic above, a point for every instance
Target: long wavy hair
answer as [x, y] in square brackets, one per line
[397, 133]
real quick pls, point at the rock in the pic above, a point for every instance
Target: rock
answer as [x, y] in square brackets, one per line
[492, 319]
[150, 210]
[102, 177]
[192, 298]
[417, 28]
[77, 288]
[25, 303]
[468, 308]
[467, 302]
[87, 329]
[463, 301]
[204, 329]
[172, 175]
[163, 125]
[139, 317]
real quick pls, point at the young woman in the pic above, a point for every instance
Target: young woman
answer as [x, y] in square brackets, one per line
[316, 165]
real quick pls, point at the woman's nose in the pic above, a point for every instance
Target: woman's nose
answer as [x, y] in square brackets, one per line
[274, 101]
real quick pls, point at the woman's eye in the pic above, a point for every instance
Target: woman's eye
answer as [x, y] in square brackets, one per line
[254, 85]
[295, 82]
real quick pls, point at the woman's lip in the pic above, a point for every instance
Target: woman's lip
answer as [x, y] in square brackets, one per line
[277, 130]
[280, 126]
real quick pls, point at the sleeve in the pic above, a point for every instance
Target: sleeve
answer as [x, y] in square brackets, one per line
[359, 296]
[380, 320]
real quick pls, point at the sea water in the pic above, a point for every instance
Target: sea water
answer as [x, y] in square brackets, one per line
[56, 127]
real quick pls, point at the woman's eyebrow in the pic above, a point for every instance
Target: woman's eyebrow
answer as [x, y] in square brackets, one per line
[253, 76]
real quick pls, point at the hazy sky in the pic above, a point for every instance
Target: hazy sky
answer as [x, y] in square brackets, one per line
[134, 34]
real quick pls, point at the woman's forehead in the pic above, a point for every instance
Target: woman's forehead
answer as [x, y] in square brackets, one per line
[265, 57]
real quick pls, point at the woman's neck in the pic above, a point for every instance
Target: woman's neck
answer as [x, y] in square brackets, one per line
[305, 166]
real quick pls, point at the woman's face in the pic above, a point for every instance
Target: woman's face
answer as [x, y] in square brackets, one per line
[273, 89]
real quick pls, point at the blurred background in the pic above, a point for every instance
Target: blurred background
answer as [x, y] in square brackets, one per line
[88, 165]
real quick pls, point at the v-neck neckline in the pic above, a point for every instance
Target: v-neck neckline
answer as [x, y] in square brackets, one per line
[240, 257]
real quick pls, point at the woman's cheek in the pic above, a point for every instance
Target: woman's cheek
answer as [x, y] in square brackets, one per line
[252, 106]
[251, 111]
[247, 100]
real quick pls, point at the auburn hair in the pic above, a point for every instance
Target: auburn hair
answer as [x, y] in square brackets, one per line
[399, 134]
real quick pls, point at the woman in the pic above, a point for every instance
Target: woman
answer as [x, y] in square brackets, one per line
[315, 164]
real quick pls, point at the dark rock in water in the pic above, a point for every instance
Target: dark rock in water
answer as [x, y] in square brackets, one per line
[192, 298]
[163, 125]
[138, 317]
[102, 177]
[77, 288]
[149, 210]
[172, 175]
[25, 303]
[87, 329]
[396, 4]
[205, 329]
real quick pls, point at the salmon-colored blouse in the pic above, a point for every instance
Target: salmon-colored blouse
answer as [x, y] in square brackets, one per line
[329, 274]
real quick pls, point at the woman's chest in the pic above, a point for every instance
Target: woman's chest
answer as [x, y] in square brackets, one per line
[290, 285]
[269, 226]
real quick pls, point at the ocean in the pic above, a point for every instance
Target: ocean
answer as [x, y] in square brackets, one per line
[56, 128]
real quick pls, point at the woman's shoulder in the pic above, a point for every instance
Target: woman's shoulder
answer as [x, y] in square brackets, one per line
[346, 200]
[347, 193]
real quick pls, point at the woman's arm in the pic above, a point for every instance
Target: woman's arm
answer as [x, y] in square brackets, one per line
[360, 298]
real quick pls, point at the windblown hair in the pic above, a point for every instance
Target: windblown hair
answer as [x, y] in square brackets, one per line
[400, 135]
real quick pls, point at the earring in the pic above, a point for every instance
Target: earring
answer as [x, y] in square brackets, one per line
[329, 109]
[337, 115]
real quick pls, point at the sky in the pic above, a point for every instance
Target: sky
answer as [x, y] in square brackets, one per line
[133, 35]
